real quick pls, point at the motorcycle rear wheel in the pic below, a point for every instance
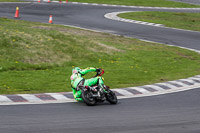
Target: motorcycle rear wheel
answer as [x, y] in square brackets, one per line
[111, 98]
[87, 98]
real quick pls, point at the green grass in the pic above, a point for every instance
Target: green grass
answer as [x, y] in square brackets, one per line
[189, 21]
[153, 3]
[36, 58]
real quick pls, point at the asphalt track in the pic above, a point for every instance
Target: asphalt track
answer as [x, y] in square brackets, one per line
[176, 113]
[92, 17]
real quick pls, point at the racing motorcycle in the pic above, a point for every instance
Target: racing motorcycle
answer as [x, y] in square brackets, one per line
[96, 94]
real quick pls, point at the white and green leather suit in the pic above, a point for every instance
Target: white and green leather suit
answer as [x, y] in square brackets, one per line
[76, 78]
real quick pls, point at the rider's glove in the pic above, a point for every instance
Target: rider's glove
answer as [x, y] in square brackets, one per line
[98, 70]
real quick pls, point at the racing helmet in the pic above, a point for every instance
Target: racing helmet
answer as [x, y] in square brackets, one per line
[75, 70]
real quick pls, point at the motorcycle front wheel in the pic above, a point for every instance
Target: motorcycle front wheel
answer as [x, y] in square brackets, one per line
[111, 97]
[87, 98]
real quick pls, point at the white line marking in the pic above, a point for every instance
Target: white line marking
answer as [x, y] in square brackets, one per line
[158, 25]
[94, 4]
[162, 92]
[188, 80]
[197, 51]
[142, 90]
[195, 78]
[123, 92]
[168, 85]
[148, 41]
[198, 76]
[4, 99]
[114, 16]
[85, 3]
[75, 3]
[119, 5]
[155, 87]
[30, 98]
[144, 23]
[181, 29]
[137, 22]
[58, 96]
[39, 102]
[179, 83]
[150, 24]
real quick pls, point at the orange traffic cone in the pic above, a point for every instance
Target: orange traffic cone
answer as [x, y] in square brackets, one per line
[50, 19]
[66, 1]
[17, 12]
[49, 1]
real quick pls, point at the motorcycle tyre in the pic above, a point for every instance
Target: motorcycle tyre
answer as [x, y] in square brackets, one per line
[111, 100]
[86, 100]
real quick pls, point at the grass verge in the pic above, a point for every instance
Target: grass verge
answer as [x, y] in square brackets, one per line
[36, 58]
[153, 3]
[188, 21]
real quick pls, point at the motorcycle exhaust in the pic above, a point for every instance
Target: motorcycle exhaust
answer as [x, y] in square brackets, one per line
[97, 95]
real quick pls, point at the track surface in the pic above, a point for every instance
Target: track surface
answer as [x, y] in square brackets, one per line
[197, 2]
[177, 112]
[92, 17]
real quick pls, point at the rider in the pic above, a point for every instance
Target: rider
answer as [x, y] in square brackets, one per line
[77, 79]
